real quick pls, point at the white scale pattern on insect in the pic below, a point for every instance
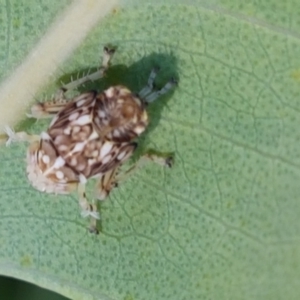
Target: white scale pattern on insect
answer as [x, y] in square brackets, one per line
[90, 136]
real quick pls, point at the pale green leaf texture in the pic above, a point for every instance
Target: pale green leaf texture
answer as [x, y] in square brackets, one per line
[224, 222]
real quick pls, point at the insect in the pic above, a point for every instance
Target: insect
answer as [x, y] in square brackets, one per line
[90, 136]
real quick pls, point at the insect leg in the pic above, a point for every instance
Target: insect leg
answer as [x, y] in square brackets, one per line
[47, 109]
[108, 53]
[50, 108]
[87, 209]
[105, 184]
[164, 160]
[21, 136]
[107, 181]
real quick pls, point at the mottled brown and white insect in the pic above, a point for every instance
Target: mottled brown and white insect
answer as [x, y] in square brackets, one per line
[90, 136]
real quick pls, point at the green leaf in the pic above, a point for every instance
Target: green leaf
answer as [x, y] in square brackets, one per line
[224, 222]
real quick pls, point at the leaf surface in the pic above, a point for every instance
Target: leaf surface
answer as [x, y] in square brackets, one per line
[224, 222]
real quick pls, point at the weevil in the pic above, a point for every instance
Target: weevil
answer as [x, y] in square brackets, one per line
[90, 136]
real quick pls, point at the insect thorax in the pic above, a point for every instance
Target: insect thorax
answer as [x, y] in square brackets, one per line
[91, 135]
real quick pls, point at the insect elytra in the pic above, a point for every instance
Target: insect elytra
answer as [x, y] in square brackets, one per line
[90, 136]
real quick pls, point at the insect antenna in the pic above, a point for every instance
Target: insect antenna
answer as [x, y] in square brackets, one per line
[149, 87]
[148, 94]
